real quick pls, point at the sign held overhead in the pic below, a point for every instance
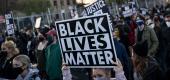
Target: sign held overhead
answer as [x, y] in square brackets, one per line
[87, 42]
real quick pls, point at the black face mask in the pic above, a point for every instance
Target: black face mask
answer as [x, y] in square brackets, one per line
[41, 39]
[3, 53]
[18, 70]
[50, 40]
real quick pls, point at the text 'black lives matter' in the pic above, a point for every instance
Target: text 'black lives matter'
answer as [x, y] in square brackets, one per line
[86, 42]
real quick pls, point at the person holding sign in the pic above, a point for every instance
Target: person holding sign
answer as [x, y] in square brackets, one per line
[103, 73]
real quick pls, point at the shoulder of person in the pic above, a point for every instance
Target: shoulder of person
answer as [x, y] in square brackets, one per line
[34, 73]
[152, 63]
[153, 69]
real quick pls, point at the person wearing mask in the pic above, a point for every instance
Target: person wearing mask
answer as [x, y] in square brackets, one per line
[150, 23]
[31, 45]
[145, 33]
[22, 42]
[40, 53]
[145, 67]
[53, 57]
[9, 51]
[159, 55]
[23, 64]
[165, 29]
[104, 74]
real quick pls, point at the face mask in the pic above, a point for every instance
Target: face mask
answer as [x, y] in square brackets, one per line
[41, 39]
[168, 23]
[100, 78]
[18, 70]
[148, 22]
[50, 39]
[151, 25]
[3, 53]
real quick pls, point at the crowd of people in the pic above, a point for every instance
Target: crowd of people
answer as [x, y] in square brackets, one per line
[142, 45]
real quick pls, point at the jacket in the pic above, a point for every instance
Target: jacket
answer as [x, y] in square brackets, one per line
[165, 45]
[149, 35]
[53, 61]
[124, 59]
[6, 69]
[32, 75]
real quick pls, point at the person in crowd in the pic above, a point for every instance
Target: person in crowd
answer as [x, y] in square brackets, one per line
[66, 72]
[53, 57]
[104, 74]
[131, 34]
[9, 51]
[145, 67]
[10, 38]
[31, 45]
[159, 57]
[145, 33]
[23, 64]
[165, 29]
[123, 57]
[149, 23]
[40, 52]
[122, 32]
[22, 41]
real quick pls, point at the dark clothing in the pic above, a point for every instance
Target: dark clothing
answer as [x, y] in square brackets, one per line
[125, 60]
[123, 33]
[152, 70]
[31, 49]
[139, 36]
[165, 43]
[160, 57]
[22, 43]
[41, 59]
[6, 69]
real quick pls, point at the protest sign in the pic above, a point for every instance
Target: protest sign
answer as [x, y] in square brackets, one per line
[143, 11]
[87, 42]
[129, 9]
[38, 22]
[9, 23]
[97, 7]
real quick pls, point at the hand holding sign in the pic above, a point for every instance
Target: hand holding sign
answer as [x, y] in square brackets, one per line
[118, 67]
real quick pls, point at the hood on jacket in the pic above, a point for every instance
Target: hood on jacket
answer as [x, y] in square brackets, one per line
[30, 74]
